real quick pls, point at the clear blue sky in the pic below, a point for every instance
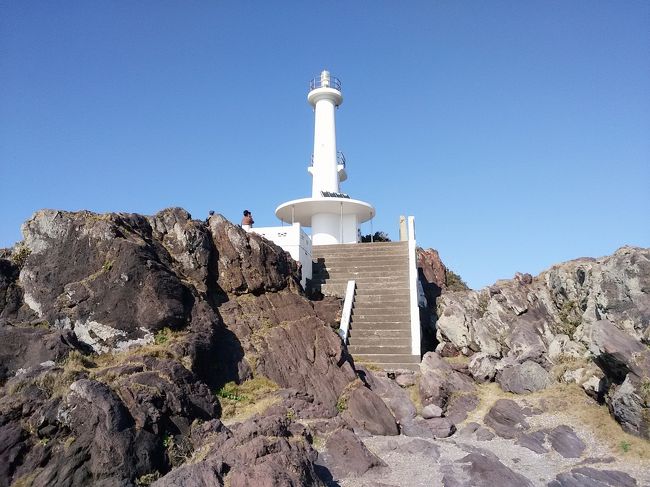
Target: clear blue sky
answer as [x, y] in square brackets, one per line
[517, 132]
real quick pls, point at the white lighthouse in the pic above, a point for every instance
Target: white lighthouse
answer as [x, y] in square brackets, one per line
[333, 216]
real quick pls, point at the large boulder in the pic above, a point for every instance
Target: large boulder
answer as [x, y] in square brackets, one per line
[366, 411]
[524, 378]
[247, 262]
[480, 469]
[346, 456]
[506, 418]
[104, 276]
[395, 397]
[441, 385]
[592, 477]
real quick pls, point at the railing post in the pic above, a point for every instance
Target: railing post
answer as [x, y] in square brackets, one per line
[347, 312]
[413, 290]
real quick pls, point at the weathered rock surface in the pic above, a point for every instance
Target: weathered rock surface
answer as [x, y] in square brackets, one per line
[523, 378]
[443, 387]
[582, 312]
[439, 381]
[366, 411]
[482, 470]
[345, 455]
[27, 347]
[591, 477]
[564, 441]
[395, 397]
[506, 418]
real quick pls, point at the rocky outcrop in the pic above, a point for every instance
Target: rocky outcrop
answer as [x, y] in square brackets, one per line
[171, 309]
[589, 319]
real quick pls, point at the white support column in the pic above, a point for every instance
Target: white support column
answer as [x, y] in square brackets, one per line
[413, 289]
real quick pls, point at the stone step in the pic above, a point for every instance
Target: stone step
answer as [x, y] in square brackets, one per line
[379, 349]
[371, 302]
[340, 291]
[402, 327]
[386, 358]
[353, 273]
[379, 312]
[367, 256]
[359, 255]
[368, 290]
[373, 334]
[379, 341]
[365, 316]
[400, 271]
[381, 290]
[362, 290]
[359, 260]
[359, 248]
[363, 244]
[393, 367]
[360, 279]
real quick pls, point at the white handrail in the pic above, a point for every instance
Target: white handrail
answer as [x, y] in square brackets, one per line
[413, 291]
[347, 312]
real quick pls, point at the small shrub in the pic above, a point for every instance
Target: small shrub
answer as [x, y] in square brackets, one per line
[147, 479]
[341, 404]
[454, 282]
[291, 414]
[625, 446]
[107, 266]
[20, 254]
[163, 336]
[230, 391]
[179, 449]
[376, 237]
[569, 317]
[168, 440]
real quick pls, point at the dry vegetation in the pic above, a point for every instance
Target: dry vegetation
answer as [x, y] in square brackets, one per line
[241, 401]
[568, 404]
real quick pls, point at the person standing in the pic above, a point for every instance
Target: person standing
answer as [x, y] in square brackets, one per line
[247, 221]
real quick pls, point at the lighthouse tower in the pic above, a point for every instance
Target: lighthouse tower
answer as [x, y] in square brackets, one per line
[333, 216]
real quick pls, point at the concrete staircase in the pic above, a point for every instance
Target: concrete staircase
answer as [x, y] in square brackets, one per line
[380, 329]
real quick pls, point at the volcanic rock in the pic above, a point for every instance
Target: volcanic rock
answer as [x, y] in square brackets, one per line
[346, 456]
[524, 378]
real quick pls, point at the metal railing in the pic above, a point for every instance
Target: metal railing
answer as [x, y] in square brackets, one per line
[340, 159]
[325, 82]
[348, 303]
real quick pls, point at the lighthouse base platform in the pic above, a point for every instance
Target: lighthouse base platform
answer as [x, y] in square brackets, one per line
[333, 220]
